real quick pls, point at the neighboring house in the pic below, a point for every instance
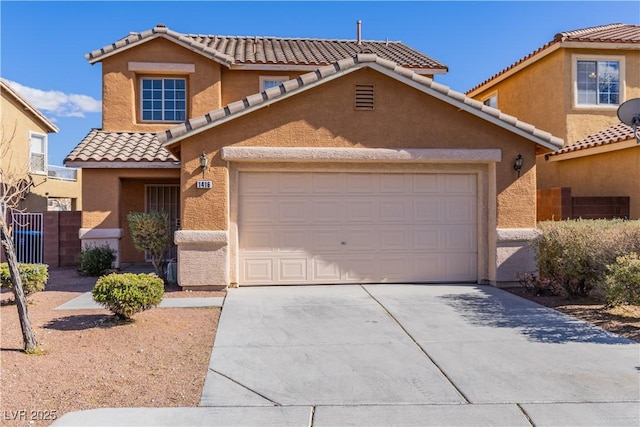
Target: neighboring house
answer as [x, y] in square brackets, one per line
[572, 87]
[24, 152]
[354, 168]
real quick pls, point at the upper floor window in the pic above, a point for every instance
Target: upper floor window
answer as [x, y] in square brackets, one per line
[164, 100]
[491, 101]
[37, 153]
[267, 82]
[598, 82]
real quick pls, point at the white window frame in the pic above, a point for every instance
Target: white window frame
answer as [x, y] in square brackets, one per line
[163, 78]
[491, 96]
[574, 75]
[45, 146]
[264, 79]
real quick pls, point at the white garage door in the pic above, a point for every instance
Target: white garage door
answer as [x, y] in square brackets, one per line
[324, 228]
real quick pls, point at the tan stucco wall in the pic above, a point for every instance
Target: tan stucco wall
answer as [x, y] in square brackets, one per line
[16, 125]
[120, 94]
[325, 117]
[592, 176]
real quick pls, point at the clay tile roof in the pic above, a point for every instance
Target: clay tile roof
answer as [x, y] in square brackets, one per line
[612, 33]
[119, 147]
[611, 135]
[245, 50]
[316, 77]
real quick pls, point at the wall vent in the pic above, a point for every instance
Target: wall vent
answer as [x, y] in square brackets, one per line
[364, 97]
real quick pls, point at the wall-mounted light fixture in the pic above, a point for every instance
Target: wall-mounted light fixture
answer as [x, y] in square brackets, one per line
[518, 164]
[204, 162]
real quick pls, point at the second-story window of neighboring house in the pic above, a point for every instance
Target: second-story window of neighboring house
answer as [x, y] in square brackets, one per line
[164, 100]
[598, 82]
[37, 153]
[267, 82]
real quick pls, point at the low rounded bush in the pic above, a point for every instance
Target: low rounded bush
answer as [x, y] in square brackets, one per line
[34, 277]
[96, 260]
[573, 255]
[127, 294]
[622, 284]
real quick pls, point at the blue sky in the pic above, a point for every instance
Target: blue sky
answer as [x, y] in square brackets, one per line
[42, 44]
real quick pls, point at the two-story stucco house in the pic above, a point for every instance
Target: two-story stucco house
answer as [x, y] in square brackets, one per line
[572, 87]
[295, 161]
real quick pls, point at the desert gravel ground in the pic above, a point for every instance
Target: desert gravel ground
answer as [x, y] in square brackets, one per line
[91, 361]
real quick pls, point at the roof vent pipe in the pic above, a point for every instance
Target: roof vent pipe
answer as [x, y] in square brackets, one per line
[359, 32]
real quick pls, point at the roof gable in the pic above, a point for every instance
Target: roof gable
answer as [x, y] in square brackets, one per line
[615, 35]
[322, 75]
[46, 123]
[246, 51]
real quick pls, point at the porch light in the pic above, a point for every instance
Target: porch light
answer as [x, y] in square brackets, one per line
[518, 164]
[204, 162]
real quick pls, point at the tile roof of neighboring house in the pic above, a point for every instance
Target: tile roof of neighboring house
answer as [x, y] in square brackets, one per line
[4, 84]
[608, 136]
[612, 34]
[102, 146]
[390, 68]
[242, 51]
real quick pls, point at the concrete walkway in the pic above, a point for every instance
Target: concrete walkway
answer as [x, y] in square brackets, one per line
[402, 355]
[86, 302]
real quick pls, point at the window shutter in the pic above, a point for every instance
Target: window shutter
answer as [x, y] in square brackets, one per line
[364, 97]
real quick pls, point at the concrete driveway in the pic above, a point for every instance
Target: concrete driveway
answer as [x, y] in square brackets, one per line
[418, 355]
[401, 355]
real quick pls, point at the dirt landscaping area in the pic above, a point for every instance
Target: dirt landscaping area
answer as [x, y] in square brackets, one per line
[160, 360]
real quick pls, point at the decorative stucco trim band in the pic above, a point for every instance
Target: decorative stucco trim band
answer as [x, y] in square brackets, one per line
[201, 237]
[100, 233]
[504, 235]
[360, 155]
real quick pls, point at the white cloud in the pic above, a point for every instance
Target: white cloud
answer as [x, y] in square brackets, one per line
[58, 103]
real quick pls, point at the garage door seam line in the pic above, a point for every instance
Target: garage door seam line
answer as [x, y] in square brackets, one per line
[449, 380]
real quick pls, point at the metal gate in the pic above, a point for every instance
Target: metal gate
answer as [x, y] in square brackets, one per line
[165, 198]
[28, 237]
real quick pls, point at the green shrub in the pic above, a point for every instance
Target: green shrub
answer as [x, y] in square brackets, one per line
[127, 294]
[622, 283]
[574, 254]
[96, 260]
[34, 277]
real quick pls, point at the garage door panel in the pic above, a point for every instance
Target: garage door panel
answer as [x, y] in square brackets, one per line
[357, 228]
[293, 211]
[328, 183]
[259, 210]
[326, 270]
[360, 239]
[258, 270]
[259, 184]
[430, 209]
[292, 269]
[332, 211]
[395, 184]
[395, 210]
[291, 240]
[362, 183]
[359, 211]
[394, 238]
